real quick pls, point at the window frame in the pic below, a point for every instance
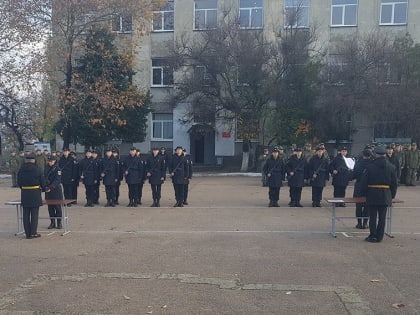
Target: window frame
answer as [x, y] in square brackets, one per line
[162, 12]
[162, 129]
[343, 16]
[393, 4]
[121, 19]
[250, 9]
[164, 68]
[206, 27]
[297, 7]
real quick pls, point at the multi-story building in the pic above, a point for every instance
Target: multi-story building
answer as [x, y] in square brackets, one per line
[332, 19]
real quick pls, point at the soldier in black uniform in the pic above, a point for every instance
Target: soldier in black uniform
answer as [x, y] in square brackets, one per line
[67, 166]
[53, 191]
[156, 173]
[190, 173]
[318, 175]
[178, 169]
[120, 175]
[109, 175]
[379, 186]
[98, 161]
[295, 169]
[340, 174]
[76, 176]
[134, 175]
[89, 176]
[359, 168]
[163, 154]
[143, 176]
[31, 182]
[274, 170]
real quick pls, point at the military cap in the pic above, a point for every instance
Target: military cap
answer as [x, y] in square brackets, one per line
[93, 151]
[114, 150]
[367, 153]
[38, 149]
[297, 150]
[380, 150]
[30, 156]
[52, 158]
[414, 144]
[72, 153]
[342, 148]
[163, 148]
[184, 150]
[390, 146]
[108, 149]
[178, 147]
[66, 149]
[319, 148]
[280, 147]
[275, 149]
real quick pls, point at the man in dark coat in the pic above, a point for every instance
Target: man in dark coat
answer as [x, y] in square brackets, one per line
[359, 168]
[178, 169]
[318, 175]
[134, 175]
[120, 175]
[295, 169]
[98, 165]
[67, 166]
[89, 174]
[156, 173]
[190, 173]
[76, 176]
[379, 186]
[274, 171]
[393, 159]
[53, 191]
[163, 154]
[340, 174]
[31, 182]
[109, 175]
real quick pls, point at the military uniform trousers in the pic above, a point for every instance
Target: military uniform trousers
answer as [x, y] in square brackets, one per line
[317, 194]
[274, 193]
[377, 217]
[74, 187]
[133, 193]
[96, 193]
[295, 195]
[14, 179]
[185, 192]
[90, 194]
[179, 192]
[110, 193]
[68, 191]
[156, 191]
[30, 220]
[140, 193]
[411, 176]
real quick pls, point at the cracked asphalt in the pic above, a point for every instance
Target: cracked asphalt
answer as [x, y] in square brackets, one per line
[224, 253]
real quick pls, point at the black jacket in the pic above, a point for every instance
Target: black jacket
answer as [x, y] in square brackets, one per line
[343, 176]
[53, 188]
[134, 170]
[88, 168]
[67, 166]
[156, 167]
[358, 170]
[297, 166]
[276, 169]
[318, 166]
[179, 167]
[109, 171]
[29, 175]
[379, 173]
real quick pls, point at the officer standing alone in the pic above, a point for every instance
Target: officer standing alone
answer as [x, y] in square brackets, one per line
[31, 182]
[379, 186]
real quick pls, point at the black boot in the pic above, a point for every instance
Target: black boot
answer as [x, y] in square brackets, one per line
[154, 203]
[359, 224]
[59, 226]
[157, 203]
[270, 204]
[130, 204]
[276, 203]
[365, 224]
[108, 204]
[52, 225]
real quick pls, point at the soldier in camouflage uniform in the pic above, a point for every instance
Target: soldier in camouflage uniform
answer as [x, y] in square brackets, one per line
[14, 165]
[412, 162]
[400, 157]
[40, 160]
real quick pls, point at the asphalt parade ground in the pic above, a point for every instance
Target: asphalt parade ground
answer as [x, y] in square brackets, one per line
[224, 253]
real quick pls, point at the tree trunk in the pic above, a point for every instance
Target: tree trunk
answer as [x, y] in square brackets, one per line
[245, 161]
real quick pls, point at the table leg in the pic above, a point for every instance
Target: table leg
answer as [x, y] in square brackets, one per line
[388, 230]
[19, 217]
[333, 220]
[64, 219]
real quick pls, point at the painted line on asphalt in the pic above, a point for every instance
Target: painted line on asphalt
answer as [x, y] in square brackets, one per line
[348, 296]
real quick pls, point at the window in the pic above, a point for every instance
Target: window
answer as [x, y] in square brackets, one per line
[251, 13]
[344, 13]
[122, 24]
[296, 13]
[205, 14]
[163, 20]
[201, 76]
[394, 12]
[162, 126]
[162, 73]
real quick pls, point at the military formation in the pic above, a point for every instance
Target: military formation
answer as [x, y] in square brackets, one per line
[58, 175]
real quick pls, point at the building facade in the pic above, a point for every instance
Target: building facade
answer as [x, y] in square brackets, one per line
[179, 18]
